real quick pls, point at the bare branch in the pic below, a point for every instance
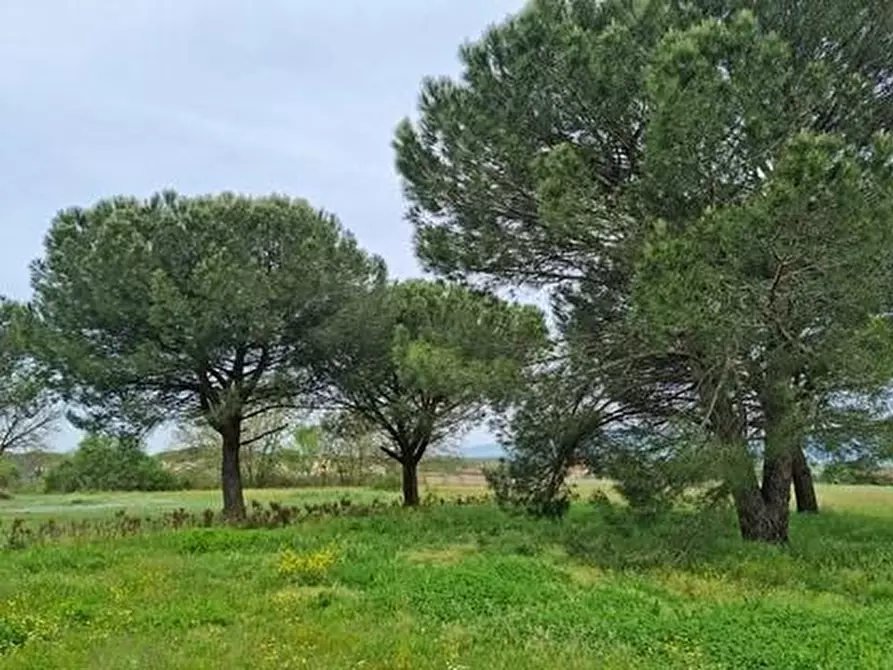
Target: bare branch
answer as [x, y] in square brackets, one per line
[264, 434]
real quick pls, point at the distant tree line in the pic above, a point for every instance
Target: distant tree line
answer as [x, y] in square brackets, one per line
[337, 451]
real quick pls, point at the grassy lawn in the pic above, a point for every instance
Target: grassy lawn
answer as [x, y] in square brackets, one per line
[454, 587]
[39, 506]
[80, 505]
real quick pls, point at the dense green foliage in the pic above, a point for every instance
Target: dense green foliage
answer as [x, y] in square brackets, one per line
[103, 463]
[705, 190]
[431, 358]
[9, 474]
[172, 307]
[28, 408]
[496, 591]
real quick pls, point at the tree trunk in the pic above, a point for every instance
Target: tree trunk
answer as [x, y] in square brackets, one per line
[804, 489]
[776, 493]
[231, 472]
[410, 482]
[762, 511]
[780, 442]
[761, 517]
[758, 521]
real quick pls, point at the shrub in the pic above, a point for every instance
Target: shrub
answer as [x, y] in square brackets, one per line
[860, 471]
[103, 463]
[517, 486]
[389, 481]
[9, 474]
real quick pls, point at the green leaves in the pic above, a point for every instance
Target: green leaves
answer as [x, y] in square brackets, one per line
[103, 463]
[719, 97]
[28, 409]
[560, 77]
[192, 304]
[429, 358]
[808, 257]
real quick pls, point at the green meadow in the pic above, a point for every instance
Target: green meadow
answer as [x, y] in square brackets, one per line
[448, 586]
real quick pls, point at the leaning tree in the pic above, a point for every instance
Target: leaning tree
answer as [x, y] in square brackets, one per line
[179, 307]
[578, 126]
[772, 294]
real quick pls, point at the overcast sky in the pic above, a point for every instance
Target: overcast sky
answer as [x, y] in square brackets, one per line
[102, 97]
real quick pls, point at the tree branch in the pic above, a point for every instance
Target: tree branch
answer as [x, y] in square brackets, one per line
[264, 434]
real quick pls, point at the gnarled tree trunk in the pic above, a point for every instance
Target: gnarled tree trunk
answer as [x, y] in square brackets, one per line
[804, 489]
[757, 521]
[776, 494]
[231, 472]
[781, 433]
[410, 482]
[762, 510]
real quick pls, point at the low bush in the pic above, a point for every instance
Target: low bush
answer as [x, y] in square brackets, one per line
[9, 474]
[104, 463]
[856, 472]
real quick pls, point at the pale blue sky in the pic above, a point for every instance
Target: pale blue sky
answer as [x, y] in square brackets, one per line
[100, 97]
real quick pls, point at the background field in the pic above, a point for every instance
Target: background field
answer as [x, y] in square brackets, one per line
[875, 500]
[451, 586]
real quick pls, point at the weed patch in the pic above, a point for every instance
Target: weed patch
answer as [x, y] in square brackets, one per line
[310, 568]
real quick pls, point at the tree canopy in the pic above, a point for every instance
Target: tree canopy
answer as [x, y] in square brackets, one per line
[28, 408]
[173, 306]
[767, 298]
[585, 140]
[106, 463]
[428, 359]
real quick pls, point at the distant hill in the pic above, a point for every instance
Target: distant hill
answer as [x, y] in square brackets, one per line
[482, 451]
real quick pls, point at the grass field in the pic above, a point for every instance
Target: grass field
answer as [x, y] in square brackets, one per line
[452, 586]
[80, 505]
